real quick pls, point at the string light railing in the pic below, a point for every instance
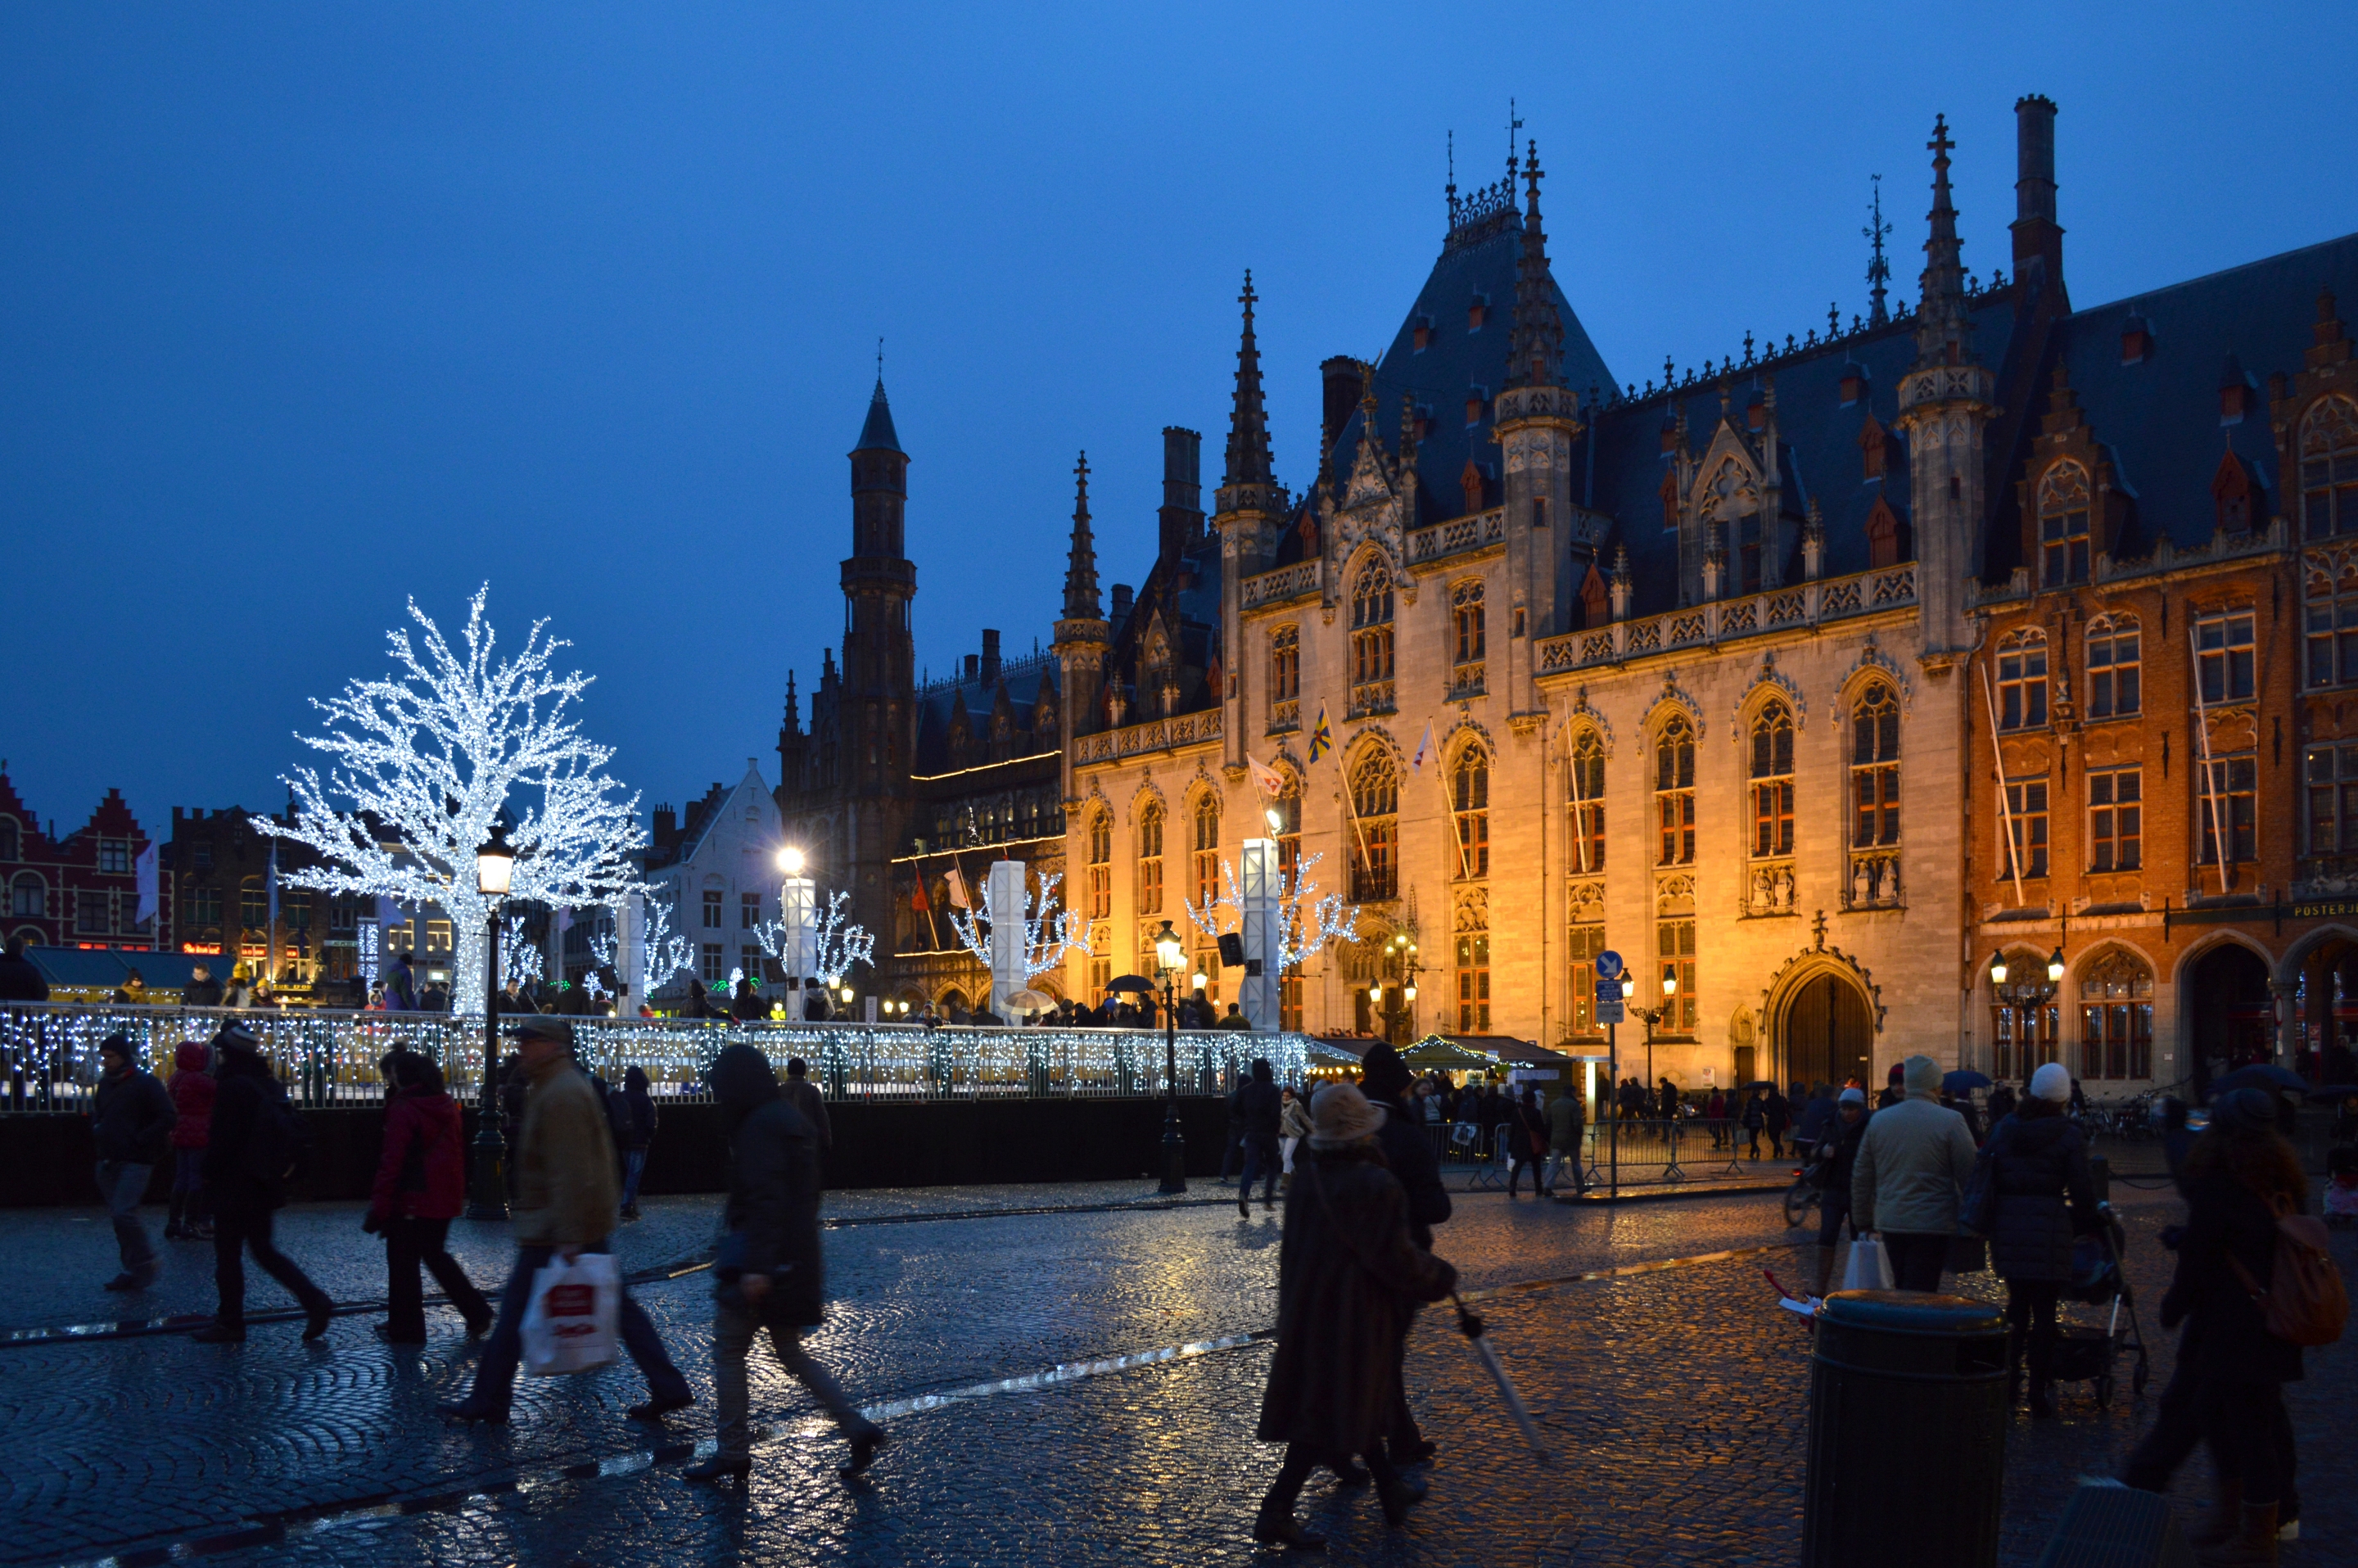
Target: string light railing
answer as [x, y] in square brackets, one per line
[329, 1059]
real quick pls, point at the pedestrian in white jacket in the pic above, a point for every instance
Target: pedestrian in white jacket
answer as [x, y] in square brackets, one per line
[1912, 1170]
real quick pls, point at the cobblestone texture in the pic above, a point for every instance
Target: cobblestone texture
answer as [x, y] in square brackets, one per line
[1675, 1401]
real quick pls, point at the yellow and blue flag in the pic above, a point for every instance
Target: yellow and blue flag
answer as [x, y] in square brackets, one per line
[1321, 737]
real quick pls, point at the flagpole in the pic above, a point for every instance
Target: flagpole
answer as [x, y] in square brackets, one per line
[2203, 738]
[2005, 807]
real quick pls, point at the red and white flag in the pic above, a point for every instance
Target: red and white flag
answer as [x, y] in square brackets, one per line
[1272, 782]
[957, 891]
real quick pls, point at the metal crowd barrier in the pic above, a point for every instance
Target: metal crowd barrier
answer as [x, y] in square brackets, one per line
[49, 1053]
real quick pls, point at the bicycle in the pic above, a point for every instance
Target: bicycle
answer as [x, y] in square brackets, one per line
[1804, 1194]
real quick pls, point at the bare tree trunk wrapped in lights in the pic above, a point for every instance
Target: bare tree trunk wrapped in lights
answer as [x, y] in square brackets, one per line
[1306, 922]
[1050, 932]
[430, 758]
[837, 944]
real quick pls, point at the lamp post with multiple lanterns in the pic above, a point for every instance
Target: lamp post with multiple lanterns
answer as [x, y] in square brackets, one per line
[2024, 992]
[494, 866]
[1400, 953]
[1171, 956]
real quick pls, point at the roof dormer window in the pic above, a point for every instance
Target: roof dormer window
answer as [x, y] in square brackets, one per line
[2137, 341]
[1477, 398]
[1420, 334]
[1476, 312]
[1853, 385]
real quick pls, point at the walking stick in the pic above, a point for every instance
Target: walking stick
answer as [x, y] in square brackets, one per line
[1471, 1328]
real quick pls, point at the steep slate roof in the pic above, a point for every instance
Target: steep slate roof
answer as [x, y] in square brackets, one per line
[936, 704]
[878, 434]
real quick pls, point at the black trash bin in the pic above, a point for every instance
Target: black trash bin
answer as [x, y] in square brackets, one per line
[1907, 1432]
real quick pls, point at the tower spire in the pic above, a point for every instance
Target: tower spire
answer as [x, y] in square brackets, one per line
[1538, 340]
[1878, 271]
[1081, 561]
[1249, 482]
[1944, 329]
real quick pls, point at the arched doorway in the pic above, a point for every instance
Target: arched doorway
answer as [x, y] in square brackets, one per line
[2230, 1016]
[2325, 1037]
[1827, 1033]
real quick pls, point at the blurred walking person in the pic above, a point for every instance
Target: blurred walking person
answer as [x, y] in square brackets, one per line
[1293, 1127]
[1911, 1169]
[193, 1089]
[1564, 1118]
[1348, 1277]
[131, 1126]
[256, 1144]
[633, 1112]
[1262, 1109]
[421, 1187]
[1526, 1143]
[771, 1272]
[1408, 1152]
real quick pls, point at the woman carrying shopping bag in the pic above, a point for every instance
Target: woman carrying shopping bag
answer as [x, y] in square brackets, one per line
[421, 1186]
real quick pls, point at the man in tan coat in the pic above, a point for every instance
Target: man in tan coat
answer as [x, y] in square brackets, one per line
[566, 1192]
[1910, 1170]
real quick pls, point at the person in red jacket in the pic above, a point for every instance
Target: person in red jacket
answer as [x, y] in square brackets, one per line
[192, 1099]
[421, 1186]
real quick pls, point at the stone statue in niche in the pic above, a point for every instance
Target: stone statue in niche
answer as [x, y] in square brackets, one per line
[1862, 884]
[1784, 893]
[1760, 893]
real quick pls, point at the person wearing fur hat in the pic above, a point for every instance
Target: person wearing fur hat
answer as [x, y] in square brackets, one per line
[2041, 1198]
[1912, 1170]
[1349, 1273]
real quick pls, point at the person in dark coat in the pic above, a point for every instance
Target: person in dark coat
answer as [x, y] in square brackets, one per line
[1260, 1107]
[771, 1272]
[2229, 1385]
[131, 1126]
[1838, 1146]
[1755, 1117]
[1349, 1273]
[245, 1197]
[1775, 1114]
[203, 991]
[2041, 1198]
[192, 1088]
[421, 1187]
[1232, 1153]
[2002, 1103]
[2177, 1140]
[400, 987]
[632, 1111]
[20, 979]
[1415, 1163]
[1526, 1143]
[747, 1005]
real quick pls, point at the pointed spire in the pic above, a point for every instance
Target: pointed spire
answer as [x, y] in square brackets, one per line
[878, 434]
[1248, 459]
[1537, 344]
[1944, 329]
[1081, 562]
[1878, 271]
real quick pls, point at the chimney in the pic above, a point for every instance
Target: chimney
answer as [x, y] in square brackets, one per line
[1121, 602]
[989, 671]
[973, 667]
[1183, 490]
[2037, 238]
[1343, 378]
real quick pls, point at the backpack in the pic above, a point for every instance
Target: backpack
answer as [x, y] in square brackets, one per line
[2304, 1301]
[279, 1147]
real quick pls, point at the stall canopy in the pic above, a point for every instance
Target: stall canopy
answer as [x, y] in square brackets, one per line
[1440, 1053]
[83, 974]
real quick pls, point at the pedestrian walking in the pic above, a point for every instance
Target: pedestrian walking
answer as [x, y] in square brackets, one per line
[20, 978]
[2041, 1198]
[1526, 1143]
[131, 1126]
[806, 1098]
[1755, 1117]
[1911, 1168]
[1564, 1129]
[257, 1140]
[632, 1111]
[1715, 1112]
[1349, 1274]
[1815, 1119]
[2242, 1175]
[1262, 1109]
[1775, 1114]
[1232, 1155]
[1408, 1154]
[193, 1089]
[772, 1274]
[421, 1187]
[564, 1206]
[1293, 1127]
[1669, 1100]
[1839, 1150]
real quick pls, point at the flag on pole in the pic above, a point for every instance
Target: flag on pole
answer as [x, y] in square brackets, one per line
[958, 899]
[918, 901]
[274, 890]
[1272, 782]
[1423, 748]
[1321, 737]
[149, 900]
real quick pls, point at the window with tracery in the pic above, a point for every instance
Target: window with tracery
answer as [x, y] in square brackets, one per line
[1674, 803]
[2329, 469]
[1772, 780]
[2113, 666]
[2330, 627]
[1149, 857]
[1586, 803]
[1375, 802]
[1206, 849]
[1285, 677]
[2117, 1019]
[2022, 679]
[1469, 635]
[1875, 769]
[1286, 828]
[1469, 809]
[1372, 639]
[2063, 497]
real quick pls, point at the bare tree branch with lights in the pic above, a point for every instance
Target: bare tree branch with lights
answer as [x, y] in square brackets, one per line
[1305, 923]
[432, 757]
[837, 944]
[664, 952]
[519, 959]
[1049, 929]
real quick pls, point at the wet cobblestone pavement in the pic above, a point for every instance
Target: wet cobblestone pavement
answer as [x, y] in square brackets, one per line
[1674, 1398]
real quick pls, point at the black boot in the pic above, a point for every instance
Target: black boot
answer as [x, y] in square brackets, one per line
[1276, 1527]
[1398, 1493]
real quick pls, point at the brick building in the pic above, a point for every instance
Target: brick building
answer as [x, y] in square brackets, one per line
[81, 889]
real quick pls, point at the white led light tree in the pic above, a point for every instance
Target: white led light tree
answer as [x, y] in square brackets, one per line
[1306, 922]
[431, 757]
[1049, 929]
[665, 952]
[837, 944]
[519, 959]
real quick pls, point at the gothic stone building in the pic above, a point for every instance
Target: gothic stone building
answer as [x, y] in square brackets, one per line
[1706, 674]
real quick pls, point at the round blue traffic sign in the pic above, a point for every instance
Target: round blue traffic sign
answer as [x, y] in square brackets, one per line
[1608, 965]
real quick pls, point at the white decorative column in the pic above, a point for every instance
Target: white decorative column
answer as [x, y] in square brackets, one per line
[1260, 916]
[631, 952]
[798, 930]
[1009, 972]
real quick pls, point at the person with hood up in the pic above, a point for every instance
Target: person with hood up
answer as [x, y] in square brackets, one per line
[1350, 1275]
[245, 1176]
[565, 1202]
[2041, 1197]
[1261, 1108]
[131, 1125]
[1911, 1169]
[772, 1269]
[421, 1187]
[193, 1089]
[20, 978]
[1408, 1152]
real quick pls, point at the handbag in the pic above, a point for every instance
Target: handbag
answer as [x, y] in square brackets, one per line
[1869, 1268]
[573, 1323]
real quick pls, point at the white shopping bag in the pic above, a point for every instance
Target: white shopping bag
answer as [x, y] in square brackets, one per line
[1869, 1268]
[574, 1320]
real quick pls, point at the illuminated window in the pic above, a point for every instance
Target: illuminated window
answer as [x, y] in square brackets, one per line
[1470, 636]
[1149, 857]
[1474, 981]
[2329, 469]
[2116, 819]
[1674, 947]
[1469, 792]
[1207, 850]
[2064, 526]
[1674, 803]
[1875, 769]
[2113, 668]
[1100, 865]
[1587, 941]
[1773, 781]
[1375, 801]
[1372, 639]
[1288, 829]
[1284, 669]
[2022, 679]
[1586, 785]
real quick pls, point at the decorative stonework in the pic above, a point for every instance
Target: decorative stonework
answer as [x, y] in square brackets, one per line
[1873, 658]
[1770, 679]
[1818, 960]
[1674, 696]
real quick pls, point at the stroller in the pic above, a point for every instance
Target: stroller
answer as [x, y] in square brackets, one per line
[2084, 1354]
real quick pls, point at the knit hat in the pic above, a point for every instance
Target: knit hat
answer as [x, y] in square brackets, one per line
[1382, 1074]
[1340, 1115]
[2243, 1110]
[1920, 1075]
[1854, 1095]
[120, 1043]
[237, 1036]
[2054, 1082]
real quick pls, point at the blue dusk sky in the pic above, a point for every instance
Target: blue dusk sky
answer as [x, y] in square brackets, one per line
[306, 309]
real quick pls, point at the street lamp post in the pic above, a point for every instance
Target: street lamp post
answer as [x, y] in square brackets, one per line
[1170, 954]
[2024, 992]
[495, 865]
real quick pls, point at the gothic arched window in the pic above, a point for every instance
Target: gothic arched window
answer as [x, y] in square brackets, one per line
[1772, 780]
[2329, 468]
[1375, 802]
[1875, 768]
[2022, 679]
[1100, 864]
[1371, 638]
[1674, 803]
[1586, 792]
[1470, 808]
[1149, 857]
[2116, 1018]
[2064, 526]
[1206, 850]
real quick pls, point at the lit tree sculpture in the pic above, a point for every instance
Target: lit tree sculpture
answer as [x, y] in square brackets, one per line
[837, 944]
[519, 959]
[1049, 929]
[1305, 923]
[664, 952]
[430, 758]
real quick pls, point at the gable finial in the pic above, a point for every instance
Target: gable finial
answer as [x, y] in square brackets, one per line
[1878, 271]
